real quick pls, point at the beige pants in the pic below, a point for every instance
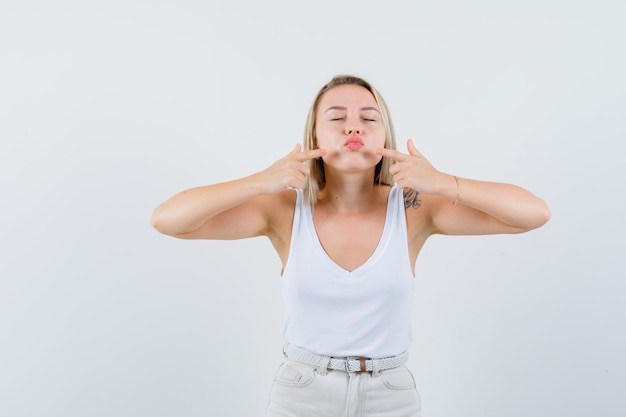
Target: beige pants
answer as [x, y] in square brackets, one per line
[302, 391]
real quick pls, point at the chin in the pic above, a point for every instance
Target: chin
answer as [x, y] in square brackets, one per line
[354, 167]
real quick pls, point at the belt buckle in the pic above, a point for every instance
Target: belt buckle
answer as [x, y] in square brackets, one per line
[362, 364]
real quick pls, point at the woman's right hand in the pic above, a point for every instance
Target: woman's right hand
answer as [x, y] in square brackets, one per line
[290, 171]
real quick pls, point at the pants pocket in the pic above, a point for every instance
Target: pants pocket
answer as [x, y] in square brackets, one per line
[298, 391]
[398, 378]
[295, 374]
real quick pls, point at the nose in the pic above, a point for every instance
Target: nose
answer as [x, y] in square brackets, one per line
[353, 131]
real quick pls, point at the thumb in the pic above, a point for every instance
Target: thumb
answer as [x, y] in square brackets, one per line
[412, 149]
[297, 149]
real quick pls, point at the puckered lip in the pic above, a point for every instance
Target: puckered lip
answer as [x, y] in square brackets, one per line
[353, 140]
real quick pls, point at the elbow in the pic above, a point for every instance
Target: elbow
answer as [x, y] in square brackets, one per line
[547, 214]
[156, 221]
[168, 222]
[542, 215]
[160, 222]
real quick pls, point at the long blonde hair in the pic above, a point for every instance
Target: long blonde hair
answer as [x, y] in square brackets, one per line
[317, 179]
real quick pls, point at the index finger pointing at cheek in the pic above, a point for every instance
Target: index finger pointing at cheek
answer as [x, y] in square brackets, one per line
[393, 154]
[311, 154]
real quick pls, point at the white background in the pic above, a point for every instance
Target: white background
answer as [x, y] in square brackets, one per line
[108, 108]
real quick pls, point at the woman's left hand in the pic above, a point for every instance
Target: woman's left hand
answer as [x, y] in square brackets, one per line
[415, 172]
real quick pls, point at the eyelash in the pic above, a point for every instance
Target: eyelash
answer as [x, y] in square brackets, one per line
[342, 118]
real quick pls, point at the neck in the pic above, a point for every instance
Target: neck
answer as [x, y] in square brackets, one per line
[348, 193]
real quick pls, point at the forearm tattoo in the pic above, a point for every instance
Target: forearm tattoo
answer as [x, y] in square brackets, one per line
[412, 198]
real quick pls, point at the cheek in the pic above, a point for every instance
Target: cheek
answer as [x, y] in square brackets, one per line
[322, 143]
[325, 139]
[377, 136]
[379, 142]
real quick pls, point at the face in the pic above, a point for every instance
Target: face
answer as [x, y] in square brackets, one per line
[349, 127]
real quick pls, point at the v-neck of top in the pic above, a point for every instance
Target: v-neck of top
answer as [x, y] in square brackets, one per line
[338, 269]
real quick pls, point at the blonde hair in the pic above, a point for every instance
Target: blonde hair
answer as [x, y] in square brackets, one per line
[317, 179]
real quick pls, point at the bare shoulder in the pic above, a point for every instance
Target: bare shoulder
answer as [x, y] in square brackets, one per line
[278, 205]
[279, 209]
[412, 198]
[419, 208]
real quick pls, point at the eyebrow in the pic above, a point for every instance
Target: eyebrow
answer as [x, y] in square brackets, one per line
[345, 108]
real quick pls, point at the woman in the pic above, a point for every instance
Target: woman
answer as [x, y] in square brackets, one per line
[348, 216]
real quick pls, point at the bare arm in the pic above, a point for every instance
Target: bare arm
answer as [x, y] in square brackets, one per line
[485, 208]
[236, 209]
[481, 207]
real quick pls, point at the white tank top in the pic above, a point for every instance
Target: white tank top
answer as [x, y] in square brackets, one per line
[365, 312]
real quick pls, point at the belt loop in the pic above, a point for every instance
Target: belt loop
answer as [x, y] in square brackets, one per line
[375, 368]
[322, 368]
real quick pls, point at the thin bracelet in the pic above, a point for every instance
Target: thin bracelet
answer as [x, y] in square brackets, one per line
[458, 191]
